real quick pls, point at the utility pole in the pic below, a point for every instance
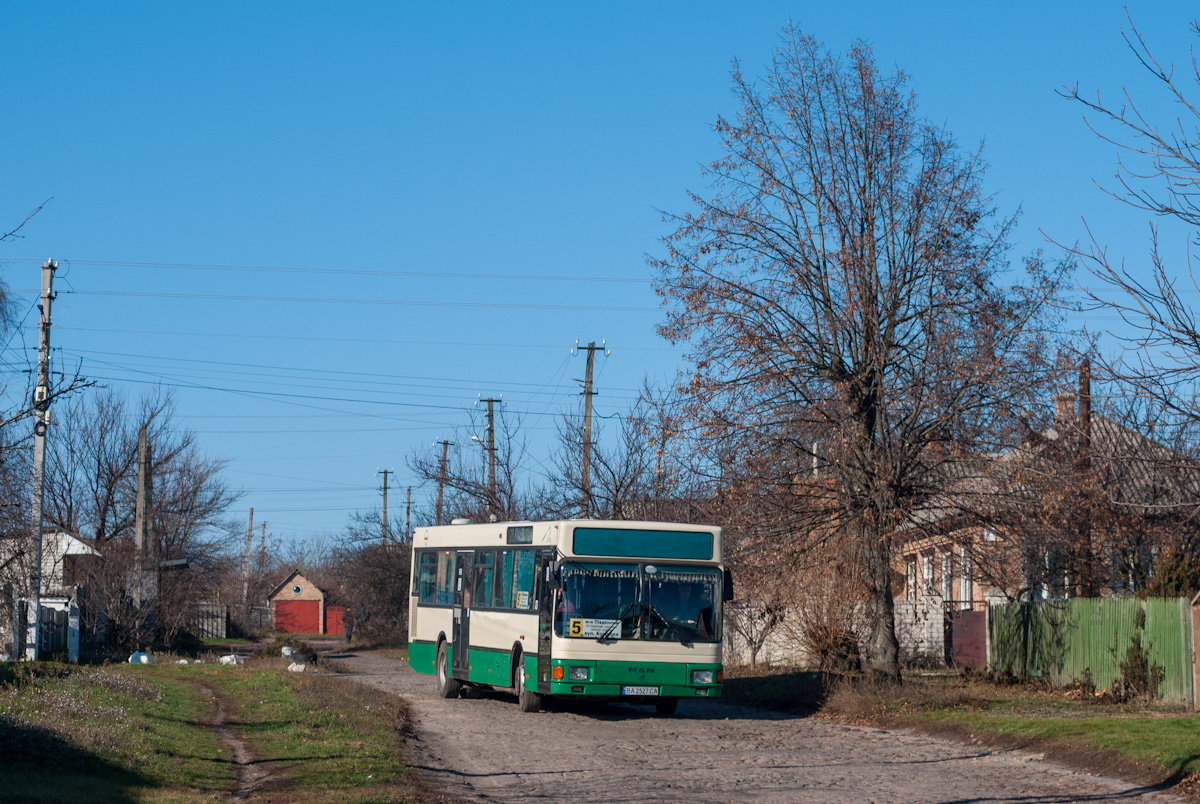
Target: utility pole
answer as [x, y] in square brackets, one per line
[585, 469]
[385, 473]
[441, 479]
[41, 405]
[491, 450]
[408, 514]
[141, 513]
[246, 566]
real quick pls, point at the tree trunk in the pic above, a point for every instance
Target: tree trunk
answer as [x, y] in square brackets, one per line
[881, 657]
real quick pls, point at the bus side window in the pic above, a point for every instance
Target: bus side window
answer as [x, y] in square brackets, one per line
[445, 577]
[523, 583]
[427, 578]
[485, 570]
[504, 577]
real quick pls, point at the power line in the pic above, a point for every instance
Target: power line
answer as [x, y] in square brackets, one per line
[374, 376]
[347, 271]
[423, 342]
[137, 294]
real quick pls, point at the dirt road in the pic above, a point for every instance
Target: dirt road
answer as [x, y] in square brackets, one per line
[488, 750]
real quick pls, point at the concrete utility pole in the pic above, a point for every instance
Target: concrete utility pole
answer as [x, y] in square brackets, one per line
[141, 515]
[385, 473]
[441, 479]
[585, 469]
[41, 406]
[246, 565]
[491, 450]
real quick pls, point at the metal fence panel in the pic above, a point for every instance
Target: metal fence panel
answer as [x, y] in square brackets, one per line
[210, 620]
[1058, 640]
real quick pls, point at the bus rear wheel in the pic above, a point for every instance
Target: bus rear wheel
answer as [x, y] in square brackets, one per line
[529, 701]
[447, 687]
[666, 706]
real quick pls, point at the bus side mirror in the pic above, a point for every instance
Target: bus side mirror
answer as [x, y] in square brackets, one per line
[728, 586]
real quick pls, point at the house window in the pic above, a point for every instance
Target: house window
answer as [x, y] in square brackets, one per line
[927, 574]
[910, 579]
[947, 576]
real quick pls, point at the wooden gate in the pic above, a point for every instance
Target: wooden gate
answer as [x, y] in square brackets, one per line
[967, 646]
[335, 623]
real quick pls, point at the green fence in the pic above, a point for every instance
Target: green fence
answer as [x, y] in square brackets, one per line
[1057, 640]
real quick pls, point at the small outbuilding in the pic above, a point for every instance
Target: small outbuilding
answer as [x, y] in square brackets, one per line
[298, 606]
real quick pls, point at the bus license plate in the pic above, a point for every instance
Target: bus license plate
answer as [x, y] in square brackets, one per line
[639, 690]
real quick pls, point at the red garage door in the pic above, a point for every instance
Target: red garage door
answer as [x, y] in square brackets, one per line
[334, 624]
[298, 616]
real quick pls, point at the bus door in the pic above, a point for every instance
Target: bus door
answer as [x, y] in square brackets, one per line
[546, 586]
[464, 589]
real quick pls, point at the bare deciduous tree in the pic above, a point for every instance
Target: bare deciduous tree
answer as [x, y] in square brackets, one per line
[466, 488]
[1157, 172]
[841, 285]
[91, 490]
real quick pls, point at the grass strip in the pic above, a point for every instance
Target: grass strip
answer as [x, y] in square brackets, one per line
[106, 735]
[143, 733]
[332, 740]
[1169, 742]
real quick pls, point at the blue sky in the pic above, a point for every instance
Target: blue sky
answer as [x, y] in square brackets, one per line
[501, 166]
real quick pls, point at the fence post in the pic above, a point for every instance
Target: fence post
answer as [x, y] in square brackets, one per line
[988, 666]
[1195, 622]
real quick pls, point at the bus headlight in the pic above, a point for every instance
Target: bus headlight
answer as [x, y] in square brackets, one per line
[579, 674]
[702, 676]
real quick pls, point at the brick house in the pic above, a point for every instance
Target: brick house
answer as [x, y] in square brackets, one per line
[297, 606]
[1000, 533]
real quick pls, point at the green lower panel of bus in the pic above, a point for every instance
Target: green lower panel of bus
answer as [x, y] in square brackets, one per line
[489, 667]
[630, 678]
[484, 666]
[422, 657]
[607, 679]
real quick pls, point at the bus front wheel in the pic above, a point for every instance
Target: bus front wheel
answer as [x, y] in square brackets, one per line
[529, 701]
[666, 706]
[447, 687]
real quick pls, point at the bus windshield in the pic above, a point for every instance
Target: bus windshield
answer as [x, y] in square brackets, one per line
[639, 601]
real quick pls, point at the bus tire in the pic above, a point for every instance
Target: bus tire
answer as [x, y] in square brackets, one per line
[666, 706]
[530, 701]
[447, 687]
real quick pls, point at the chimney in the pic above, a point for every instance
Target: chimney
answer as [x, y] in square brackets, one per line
[1064, 406]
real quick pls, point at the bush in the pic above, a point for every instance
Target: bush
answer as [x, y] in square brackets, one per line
[1140, 676]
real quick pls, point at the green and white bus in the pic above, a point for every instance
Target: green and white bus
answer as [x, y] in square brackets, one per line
[576, 609]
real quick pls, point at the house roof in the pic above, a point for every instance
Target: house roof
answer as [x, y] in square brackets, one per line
[64, 544]
[288, 579]
[1134, 470]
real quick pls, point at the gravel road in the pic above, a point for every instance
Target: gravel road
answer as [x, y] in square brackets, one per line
[488, 750]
